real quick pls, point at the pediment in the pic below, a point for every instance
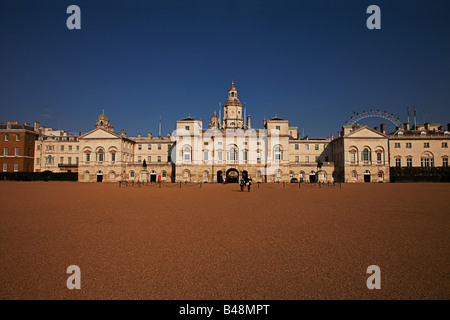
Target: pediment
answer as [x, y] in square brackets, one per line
[366, 132]
[100, 133]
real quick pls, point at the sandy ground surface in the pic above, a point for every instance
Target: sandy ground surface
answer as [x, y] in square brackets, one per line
[218, 243]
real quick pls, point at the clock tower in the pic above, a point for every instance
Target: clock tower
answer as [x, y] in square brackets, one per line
[232, 110]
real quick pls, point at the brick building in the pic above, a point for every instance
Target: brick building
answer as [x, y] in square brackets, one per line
[17, 146]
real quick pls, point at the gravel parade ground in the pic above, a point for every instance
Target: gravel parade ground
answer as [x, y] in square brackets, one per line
[216, 242]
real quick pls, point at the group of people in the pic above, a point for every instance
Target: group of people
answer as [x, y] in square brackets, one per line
[244, 183]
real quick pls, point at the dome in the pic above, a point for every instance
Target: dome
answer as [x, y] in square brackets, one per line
[103, 117]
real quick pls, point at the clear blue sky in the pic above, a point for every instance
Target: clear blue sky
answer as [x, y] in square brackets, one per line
[311, 62]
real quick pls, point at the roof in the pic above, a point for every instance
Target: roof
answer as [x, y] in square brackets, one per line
[16, 127]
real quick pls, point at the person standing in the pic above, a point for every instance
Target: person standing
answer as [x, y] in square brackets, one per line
[159, 178]
[242, 184]
[249, 184]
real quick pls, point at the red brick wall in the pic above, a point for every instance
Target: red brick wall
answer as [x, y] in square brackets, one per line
[25, 158]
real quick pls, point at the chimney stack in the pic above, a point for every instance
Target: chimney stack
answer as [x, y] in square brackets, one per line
[36, 126]
[139, 135]
[376, 129]
[406, 126]
[383, 128]
[249, 125]
[427, 126]
[149, 134]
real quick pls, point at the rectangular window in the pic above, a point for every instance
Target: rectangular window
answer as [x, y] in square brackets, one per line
[38, 148]
[444, 144]
[316, 147]
[409, 162]
[245, 155]
[5, 167]
[186, 128]
[277, 127]
[205, 155]
[426, 144]
[16, 167]
[307, 159]
[398, 162]
[5, 151]
[159, 158]
[159, 147]
[76, 160]
[409, 145]
[296, 158]
[17, 137]
[69, 160]
[6, 137]
[62, 148]
[70, 148]
[88, 157]
[139, 146]
[397, 145]
[306, 146]
[379, 157]
[219, 155]
[149, 159]
[353, 157]
[37, 160]
[205, 143]
[258, 156]
[61, 160]
[16, 151]
[139, 159]
[445, 162]
[296, 146]
[78, 148]
[149, 147]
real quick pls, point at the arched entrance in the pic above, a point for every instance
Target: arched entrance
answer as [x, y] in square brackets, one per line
[219, 177]
[232, 176]
[245, 175]
[312, 177]
[99, 176]
[367, 176]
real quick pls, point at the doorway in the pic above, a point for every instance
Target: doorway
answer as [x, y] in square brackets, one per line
[232, 176]
[367, 176]
[219, 177]
[312, 177]
[99, 176]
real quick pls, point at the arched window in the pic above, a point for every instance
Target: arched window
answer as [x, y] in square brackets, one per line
[205, 174]
[427, 160]
[380, 175]
[366, 155]
[233, 154]
[112, 175]
[277, 154]
[131, 174]
[86, 175]
[187, 154]
[100, 155]
[163, 174]
[354, 175]
[291, 174]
